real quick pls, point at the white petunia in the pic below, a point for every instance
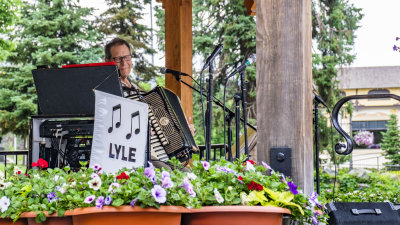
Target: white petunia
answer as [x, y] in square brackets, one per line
[218, 196]
[191, 176]
[4, 203]
[95, 183]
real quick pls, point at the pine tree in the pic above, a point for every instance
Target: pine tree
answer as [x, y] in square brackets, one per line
[390, 144]
[8, 17]
[122, 20]
[50, 32]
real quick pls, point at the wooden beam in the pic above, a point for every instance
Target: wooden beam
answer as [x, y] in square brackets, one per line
[178, 49]
[284, 84]
[251, 7]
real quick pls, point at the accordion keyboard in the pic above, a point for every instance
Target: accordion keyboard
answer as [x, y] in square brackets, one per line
[158, 139]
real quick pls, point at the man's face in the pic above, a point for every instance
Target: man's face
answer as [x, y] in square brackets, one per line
[125, 65]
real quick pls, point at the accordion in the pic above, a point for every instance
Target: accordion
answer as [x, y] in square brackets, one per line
[171, 134]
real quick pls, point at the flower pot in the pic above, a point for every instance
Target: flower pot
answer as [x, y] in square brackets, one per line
[52, 219]
[166, 215]
[234, 215]
[21, 221]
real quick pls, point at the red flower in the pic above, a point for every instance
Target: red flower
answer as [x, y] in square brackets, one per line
[40, 163]
[254, 186]
[240, 178]
[19, 172]
[251, 161]
[123, 175]
[70, 179]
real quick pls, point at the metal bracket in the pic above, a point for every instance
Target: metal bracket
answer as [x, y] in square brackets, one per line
[281, 160]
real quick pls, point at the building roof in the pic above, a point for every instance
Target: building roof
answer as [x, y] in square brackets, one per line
[369, 77]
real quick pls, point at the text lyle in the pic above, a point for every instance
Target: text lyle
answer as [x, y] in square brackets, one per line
[120, 150]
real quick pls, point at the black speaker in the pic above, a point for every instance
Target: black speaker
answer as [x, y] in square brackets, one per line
[362, 213]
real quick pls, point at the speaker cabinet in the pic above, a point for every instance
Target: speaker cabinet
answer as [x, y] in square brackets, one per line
[362, 213]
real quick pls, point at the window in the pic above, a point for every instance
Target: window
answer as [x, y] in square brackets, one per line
[377, 92]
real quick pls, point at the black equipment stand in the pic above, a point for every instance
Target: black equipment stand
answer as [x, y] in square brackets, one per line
[316, 136]
[244, 109]
[237, 98]
[209, 112]
[229, 116]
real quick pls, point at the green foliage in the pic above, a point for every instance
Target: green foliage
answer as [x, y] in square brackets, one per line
[18, 97]
[205, 184]
[122, 19]
[390, 144]
[8, 18]
[49, 33]
[334, 23]
[372, 187]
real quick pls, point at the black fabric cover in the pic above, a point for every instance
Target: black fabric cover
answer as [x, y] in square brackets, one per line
[69, 91]
[343, 214]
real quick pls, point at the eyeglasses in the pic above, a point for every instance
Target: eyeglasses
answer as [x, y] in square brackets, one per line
[126, 58]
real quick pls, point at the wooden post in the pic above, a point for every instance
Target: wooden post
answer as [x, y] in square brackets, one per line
[178, 49]
[284, 84]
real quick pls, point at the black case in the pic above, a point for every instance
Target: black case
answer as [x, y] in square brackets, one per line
[362, 213]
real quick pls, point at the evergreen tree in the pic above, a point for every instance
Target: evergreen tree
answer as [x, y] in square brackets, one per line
[50, 32]
[391, 141]
[334, 23]
[8, 17]
[122, 20]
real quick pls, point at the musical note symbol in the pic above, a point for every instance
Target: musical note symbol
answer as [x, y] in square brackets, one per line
[118, 124]
[137, 130]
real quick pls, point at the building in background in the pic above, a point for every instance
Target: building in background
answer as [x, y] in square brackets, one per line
[370, 114]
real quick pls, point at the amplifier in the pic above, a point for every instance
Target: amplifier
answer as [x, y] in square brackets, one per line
[362, 213]
[66, 128]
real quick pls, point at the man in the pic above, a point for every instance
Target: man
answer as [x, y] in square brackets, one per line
[119, 51]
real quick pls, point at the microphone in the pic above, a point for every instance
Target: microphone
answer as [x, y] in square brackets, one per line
[173, 72]
[214, 54]
[319, 99]
[248, 62]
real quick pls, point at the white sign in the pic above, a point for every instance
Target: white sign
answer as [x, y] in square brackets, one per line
[120, 132]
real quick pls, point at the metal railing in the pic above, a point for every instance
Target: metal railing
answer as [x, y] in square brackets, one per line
[7, 156]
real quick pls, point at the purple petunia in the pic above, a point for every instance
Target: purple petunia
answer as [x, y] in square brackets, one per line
[100, 202]
[51, 197]
[149, 172]
[89, 199]
[189, 187]
[292, 187]
[265, 165]
[108, 200]
[206, 165]
[394, 48]
[314, 219]
[166, 182]
[96, 167]
[159, 194]
[313, 200]
[133, 202]
[224, 169]
[164, 174]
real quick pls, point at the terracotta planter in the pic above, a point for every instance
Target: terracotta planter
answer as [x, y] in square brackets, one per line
[21, 221]
[234, 215]
[53, 219]
[126, 215]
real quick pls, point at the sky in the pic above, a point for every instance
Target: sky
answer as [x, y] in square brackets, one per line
[377, 34]
[375, 38]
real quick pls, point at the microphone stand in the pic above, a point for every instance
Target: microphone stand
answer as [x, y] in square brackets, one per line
[244, 108]
[237, 98]
[316, 135]
[209, 111]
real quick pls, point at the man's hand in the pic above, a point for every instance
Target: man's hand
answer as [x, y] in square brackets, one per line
[191, 125]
